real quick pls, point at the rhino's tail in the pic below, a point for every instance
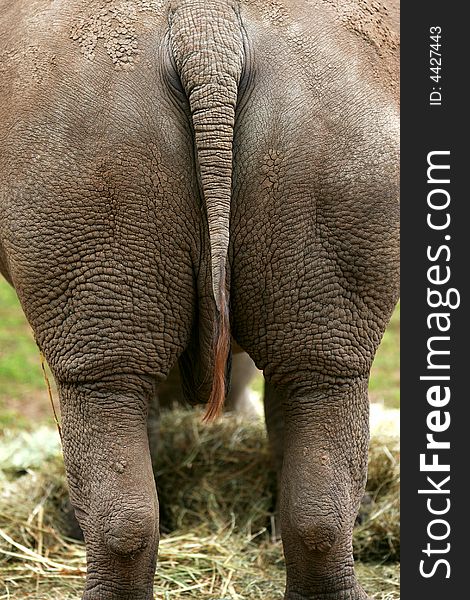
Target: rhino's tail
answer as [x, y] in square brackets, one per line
[207, 46]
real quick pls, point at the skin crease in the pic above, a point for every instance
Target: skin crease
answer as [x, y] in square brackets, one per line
[104, 235]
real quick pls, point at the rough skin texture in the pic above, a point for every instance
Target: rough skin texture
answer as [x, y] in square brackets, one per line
[117, 147]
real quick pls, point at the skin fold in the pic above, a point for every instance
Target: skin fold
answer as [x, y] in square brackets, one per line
[172, 168]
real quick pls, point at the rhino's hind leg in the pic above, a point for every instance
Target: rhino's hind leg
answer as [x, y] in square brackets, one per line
[111, 485]
[323, 478]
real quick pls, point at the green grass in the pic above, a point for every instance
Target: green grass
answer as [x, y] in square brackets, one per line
[385, 375]
[19, 364]
[21, 378]
[22, 382]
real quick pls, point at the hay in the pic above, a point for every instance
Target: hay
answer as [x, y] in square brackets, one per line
[377, 537]
[208, 474]
[216, 490]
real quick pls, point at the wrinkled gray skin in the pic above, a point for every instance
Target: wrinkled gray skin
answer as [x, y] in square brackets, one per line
[129, 129]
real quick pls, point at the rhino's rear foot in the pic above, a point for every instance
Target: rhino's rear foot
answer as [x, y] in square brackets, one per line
[354, 593]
